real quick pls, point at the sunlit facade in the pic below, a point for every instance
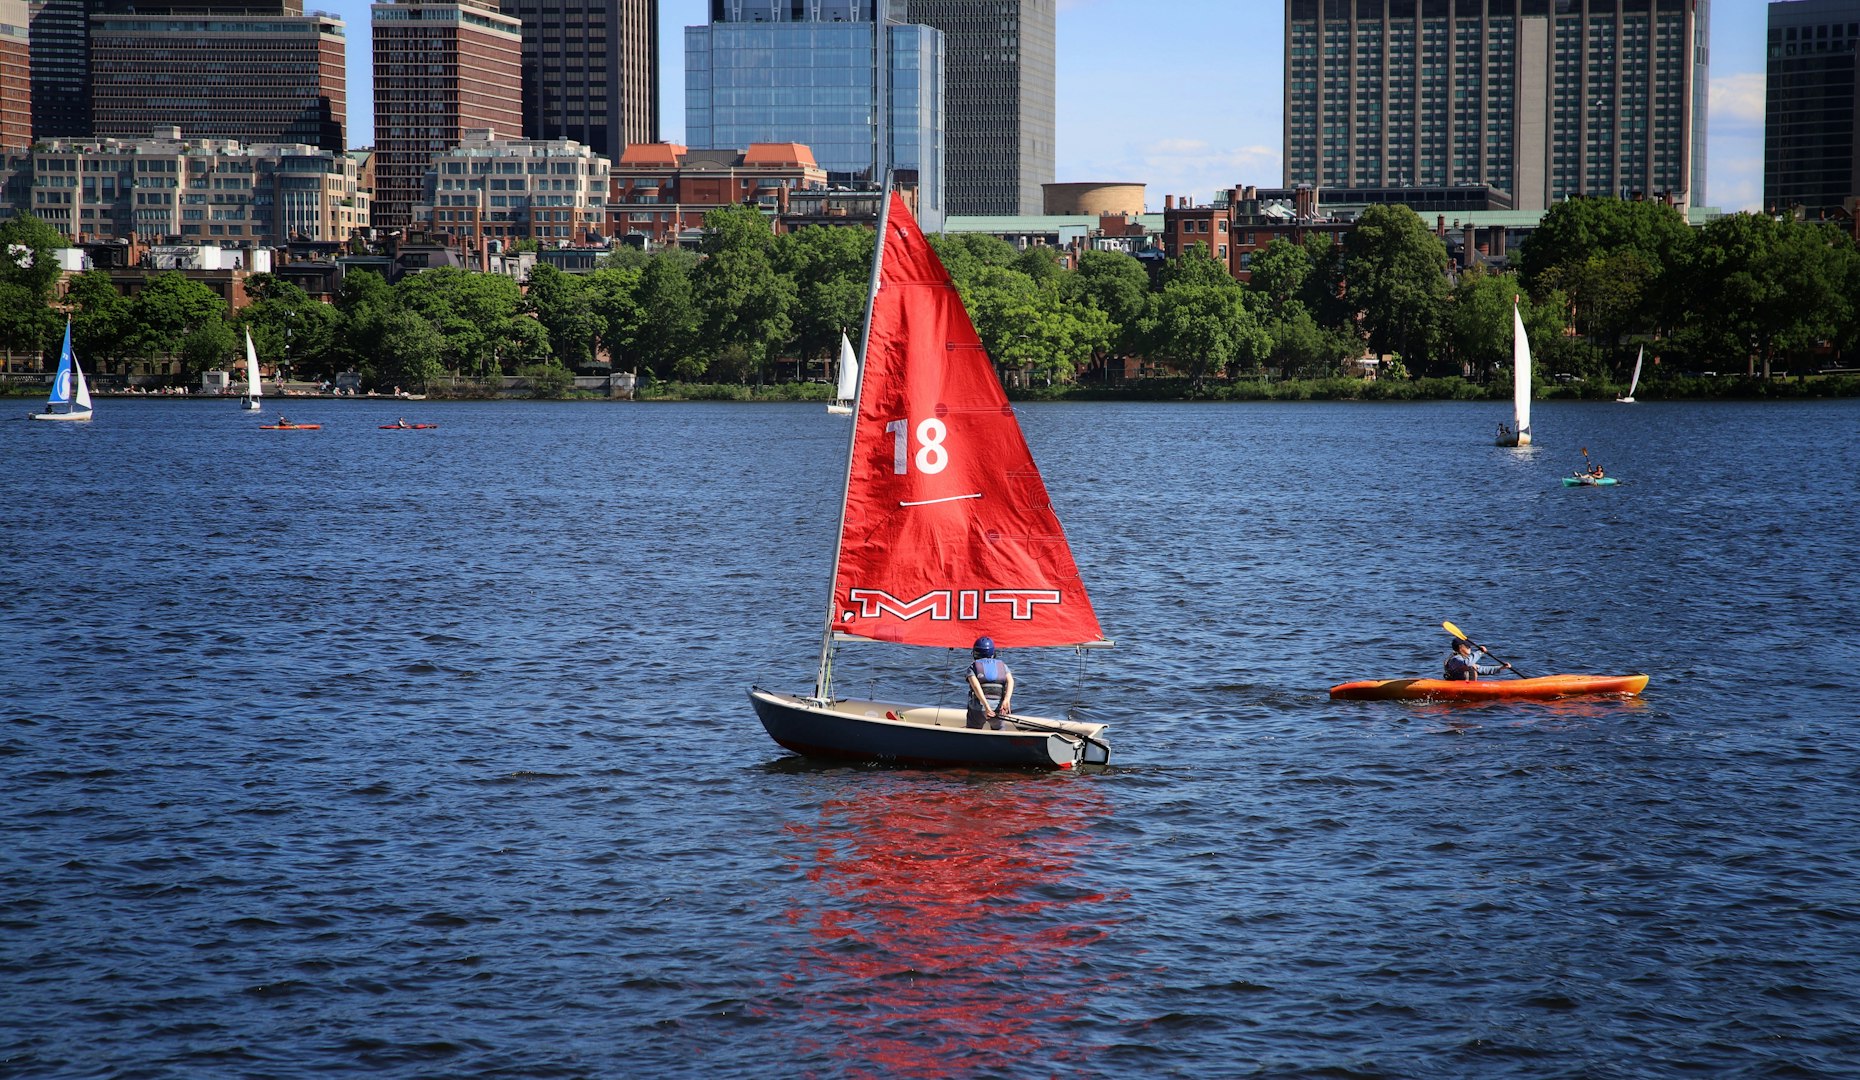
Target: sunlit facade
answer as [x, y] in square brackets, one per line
[846, 78]
[1540, 99]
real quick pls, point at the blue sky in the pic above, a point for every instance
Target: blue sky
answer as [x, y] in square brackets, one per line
[1185, 96]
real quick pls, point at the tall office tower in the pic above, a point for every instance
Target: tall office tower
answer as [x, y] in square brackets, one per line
[590, 71]
[1000, 62]
[1540, 99]
[15, 75]
[61, 68]
[252, 71]
[441, 67]
[849, 79]
[1811, 111]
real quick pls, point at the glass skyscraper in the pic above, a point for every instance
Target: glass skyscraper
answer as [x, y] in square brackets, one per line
[1811, 121]
[848, 78]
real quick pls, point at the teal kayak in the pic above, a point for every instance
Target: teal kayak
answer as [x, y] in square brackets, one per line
[1587, 481]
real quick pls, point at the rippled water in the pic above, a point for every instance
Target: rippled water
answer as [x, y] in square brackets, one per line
[427, 753]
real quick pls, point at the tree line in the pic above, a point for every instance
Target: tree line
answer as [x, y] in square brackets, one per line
[1598, 280]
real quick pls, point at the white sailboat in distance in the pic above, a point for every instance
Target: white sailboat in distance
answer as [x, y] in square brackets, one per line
[253, 390]
[1628, 398]
[848, 388]
[1519, 434]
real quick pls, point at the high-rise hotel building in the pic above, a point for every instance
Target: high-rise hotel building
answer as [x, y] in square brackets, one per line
[1539, 99]
[848, 79]
[250, 70]
[1000, 73]
[442, 67]
[15, 75]
[590, 71]
[1811, 107]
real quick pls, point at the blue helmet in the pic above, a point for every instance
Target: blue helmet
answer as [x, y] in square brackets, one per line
[983, 647]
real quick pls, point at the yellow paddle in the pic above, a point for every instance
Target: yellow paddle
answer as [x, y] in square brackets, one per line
[1455, 631]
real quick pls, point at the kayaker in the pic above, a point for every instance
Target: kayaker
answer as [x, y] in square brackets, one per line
[402, 422]
[1461, 667]
[987, 673]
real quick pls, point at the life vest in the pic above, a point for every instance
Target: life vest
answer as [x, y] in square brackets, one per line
[991, 673]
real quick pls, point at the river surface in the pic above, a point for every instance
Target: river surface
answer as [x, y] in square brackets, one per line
[427, 753]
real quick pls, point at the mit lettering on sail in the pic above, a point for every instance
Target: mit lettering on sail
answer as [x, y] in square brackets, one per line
[939, 603]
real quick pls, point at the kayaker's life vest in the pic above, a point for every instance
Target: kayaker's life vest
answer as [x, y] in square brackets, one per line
[1460, 669]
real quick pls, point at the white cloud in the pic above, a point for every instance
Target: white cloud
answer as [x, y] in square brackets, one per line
[1737, 100]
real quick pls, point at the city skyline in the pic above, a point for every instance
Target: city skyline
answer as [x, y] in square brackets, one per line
[1192, 122]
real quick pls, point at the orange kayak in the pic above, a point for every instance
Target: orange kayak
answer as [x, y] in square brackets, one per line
[1544, 686]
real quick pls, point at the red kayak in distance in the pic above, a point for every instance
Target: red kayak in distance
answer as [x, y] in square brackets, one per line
[1543, 686]
[407, 427]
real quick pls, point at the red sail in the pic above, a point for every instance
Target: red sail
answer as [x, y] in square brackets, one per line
[949, 533]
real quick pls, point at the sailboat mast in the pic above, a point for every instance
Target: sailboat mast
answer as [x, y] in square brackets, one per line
[823, 677]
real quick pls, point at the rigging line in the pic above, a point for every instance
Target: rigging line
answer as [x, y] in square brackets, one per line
[946, 498]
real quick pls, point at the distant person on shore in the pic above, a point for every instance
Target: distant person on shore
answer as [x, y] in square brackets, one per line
[1462, 667]
[988, 675]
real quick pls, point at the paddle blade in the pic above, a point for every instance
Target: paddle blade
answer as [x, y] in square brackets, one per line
[1455, 631]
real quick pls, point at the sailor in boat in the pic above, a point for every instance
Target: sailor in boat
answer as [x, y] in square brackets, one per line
[1462, 667]
[988, 675]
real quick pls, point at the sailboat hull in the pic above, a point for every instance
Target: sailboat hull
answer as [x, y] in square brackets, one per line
[840, 410]
[60, 415]
[251, 405]
[902, 734]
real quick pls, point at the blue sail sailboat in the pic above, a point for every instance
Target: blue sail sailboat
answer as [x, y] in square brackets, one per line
[69, 390]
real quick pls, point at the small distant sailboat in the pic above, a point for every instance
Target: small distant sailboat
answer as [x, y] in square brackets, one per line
[1519, 434]
[254, 391]
[1634, 380]
[68, 387]
[848, 388]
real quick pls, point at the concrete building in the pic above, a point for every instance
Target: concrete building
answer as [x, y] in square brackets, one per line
[660, 192]
[590, 71]
[15, 75]
[1000, 79]
[442, 68]
[1811, 110]
[1540, 99]
[849, 79]
[61, 68]
[253, 72]
[196, 191]
[553, 191]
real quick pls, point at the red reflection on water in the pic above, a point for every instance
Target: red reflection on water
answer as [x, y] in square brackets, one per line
[1464, 714]
[947, 932]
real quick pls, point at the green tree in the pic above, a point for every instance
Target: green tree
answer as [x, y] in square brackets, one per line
[28, 272]
[666, 341]
[100, 319]
[1394, 274]
[29, 255]
[1279, 271]
[164, 318]
[564, 308]
[289, 328]
[1763, 290]
[746, 305]
[613, 295]
[471, 312]
[1117, 285]
[407, 354]
[1204, 330]
[831, 269]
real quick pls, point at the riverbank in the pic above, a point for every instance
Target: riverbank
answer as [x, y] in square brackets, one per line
[1682, 388]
